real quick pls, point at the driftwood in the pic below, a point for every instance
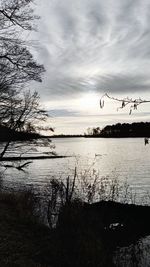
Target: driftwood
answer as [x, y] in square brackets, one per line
[19, 167]
[32, 158]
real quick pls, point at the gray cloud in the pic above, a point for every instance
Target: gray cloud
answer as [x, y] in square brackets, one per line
[124, 83]
[63, 113]
[94, 46]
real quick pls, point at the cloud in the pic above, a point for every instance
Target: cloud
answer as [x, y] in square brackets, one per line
[79, 125]
[63, 113]
[127, 83]
[94, 46]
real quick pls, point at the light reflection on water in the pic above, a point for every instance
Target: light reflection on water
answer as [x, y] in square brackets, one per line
[127, 158]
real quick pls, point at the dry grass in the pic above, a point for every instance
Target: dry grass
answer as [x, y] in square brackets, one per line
[22, 237]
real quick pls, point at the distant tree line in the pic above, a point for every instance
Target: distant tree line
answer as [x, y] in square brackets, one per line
[95, 131]
[136, 129]
[6, 132]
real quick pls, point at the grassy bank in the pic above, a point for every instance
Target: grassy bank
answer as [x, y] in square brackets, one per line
[80, 238]
[22, 236]
[25, 241]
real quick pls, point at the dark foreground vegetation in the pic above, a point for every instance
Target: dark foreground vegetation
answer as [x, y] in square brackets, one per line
[7, 134]
[25, 241]
[85, 234]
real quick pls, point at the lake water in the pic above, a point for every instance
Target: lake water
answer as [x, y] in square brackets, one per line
[124, 158]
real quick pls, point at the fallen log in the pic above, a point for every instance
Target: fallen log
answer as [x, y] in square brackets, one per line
[32, 158]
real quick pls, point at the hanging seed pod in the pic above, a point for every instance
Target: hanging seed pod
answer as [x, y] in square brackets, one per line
[123, 104]
[101, 103]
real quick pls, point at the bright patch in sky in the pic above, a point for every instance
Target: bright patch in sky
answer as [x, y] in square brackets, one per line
[90, 48]
[88, 102]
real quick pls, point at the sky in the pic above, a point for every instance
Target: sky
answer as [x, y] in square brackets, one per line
[88, 48]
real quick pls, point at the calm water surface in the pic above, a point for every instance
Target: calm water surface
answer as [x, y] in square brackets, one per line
[124, 158]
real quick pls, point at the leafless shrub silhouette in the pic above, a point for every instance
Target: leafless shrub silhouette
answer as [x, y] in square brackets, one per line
[59, 194]
[85, 187]
[93, 187]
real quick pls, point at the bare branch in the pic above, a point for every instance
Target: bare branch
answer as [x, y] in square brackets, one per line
[17, 13]
[20, 111]
[20, 167]
[132, 103]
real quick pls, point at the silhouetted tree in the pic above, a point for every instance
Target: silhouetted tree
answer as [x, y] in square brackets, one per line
[19, 110]
[95, 131]
[21, 113]
[17, 66]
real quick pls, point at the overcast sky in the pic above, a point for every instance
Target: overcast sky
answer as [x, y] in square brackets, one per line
[90, 47]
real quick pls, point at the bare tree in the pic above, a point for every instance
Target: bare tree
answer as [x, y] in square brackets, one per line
[17, 65]
[19, 110]
[16, 13]
[93, 131]
[21, 113]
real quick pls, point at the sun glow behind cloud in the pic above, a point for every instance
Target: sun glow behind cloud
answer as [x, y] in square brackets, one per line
[75, 115]
[88, 102]
[90, 48]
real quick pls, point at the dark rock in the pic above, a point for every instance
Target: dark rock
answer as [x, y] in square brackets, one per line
[116, 221]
